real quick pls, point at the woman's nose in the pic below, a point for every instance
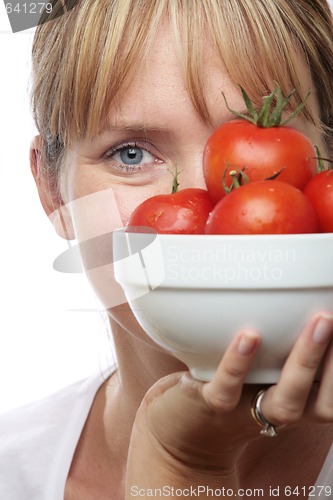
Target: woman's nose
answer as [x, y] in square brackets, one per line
[190, 172]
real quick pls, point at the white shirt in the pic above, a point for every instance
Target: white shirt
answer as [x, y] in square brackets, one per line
[38, 441]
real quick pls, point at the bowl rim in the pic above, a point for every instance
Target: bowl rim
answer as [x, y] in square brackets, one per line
[240, 237]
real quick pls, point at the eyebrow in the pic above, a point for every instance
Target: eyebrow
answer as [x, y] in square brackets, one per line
[132, 127]
[144, 127]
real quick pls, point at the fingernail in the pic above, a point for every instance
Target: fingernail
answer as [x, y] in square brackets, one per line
[323, 329]
[247, 343]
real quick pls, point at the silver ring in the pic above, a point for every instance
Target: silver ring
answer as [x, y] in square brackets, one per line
[267, 429]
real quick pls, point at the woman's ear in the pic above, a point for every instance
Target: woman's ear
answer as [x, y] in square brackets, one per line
[53, 205]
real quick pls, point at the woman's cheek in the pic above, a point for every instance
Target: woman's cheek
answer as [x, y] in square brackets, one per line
[95, 216]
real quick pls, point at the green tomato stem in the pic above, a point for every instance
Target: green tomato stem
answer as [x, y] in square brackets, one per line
[268, 115]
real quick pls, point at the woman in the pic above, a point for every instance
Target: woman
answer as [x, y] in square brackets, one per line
[123, 91]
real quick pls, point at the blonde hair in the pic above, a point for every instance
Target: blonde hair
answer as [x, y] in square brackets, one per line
[85, 59]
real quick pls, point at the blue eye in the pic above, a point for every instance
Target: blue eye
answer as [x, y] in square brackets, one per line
[131, 156]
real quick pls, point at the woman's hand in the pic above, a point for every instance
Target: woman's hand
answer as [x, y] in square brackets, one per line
[188, 432]
[295, 397]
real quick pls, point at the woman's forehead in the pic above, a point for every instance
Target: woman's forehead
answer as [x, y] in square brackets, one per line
[158, 90]
[159, 94]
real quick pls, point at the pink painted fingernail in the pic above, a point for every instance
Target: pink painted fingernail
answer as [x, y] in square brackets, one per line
[323, 329]
[247, 343]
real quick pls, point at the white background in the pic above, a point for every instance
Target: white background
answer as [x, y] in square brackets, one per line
[43, 343]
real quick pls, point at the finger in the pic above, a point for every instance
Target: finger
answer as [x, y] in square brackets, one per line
[223, 392]
[285, 402]
[323, 405]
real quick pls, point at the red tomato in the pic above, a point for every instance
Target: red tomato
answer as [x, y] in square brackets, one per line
[320, 193]
[262, 151]
[184, 212]
[263, 207]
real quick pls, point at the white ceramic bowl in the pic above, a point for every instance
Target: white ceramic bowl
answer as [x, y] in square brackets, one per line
[192, 294]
